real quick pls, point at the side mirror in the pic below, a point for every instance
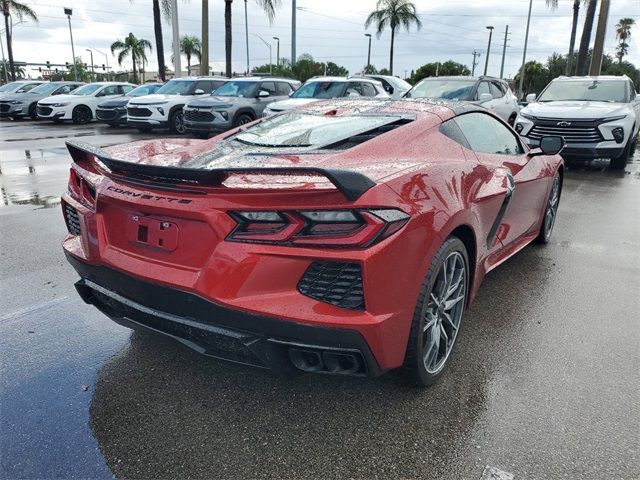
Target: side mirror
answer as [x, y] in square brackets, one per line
[199, 91]
[263, 94]
[353, 95]
[549, 145]
[485, 97]
[531, 98]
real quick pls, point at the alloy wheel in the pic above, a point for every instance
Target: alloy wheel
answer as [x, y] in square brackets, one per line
[443, 313]
[178, 122]
[552, 207]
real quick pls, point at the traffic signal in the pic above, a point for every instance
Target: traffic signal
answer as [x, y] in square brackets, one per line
[103, 69]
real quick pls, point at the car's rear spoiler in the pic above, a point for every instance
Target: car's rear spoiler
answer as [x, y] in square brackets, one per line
[351, 184]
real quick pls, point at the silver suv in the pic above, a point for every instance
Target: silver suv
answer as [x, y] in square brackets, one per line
[235, 103]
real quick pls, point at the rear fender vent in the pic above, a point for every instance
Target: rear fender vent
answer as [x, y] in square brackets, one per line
[336, 283]
[72, 219]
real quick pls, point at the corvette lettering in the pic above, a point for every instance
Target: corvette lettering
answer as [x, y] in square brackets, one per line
[145, 196]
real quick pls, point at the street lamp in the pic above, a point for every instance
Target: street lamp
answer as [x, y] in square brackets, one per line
[277, 39]
[93, 72]
[268, 45]
[68, 12]
[106, 58]
[369, 53]
[486, 60]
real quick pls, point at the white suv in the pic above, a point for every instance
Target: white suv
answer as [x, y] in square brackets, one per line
[598, 117]
[80, 105]
[163, 109]
[320, 88]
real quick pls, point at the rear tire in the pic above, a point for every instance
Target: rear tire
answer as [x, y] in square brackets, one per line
[438, 314]
[620, 162]
[81, 115]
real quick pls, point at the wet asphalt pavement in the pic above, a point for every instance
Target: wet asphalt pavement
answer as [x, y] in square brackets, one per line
[545, 382]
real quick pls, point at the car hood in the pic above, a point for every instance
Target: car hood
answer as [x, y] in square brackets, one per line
[116, 102]
[575, 109]
[23, 97]
[59, 99]
[156, 98]
[291, 103]
[218, 102]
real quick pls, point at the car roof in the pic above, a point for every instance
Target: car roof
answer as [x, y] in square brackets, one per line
[203, 77]
[262, 78]
[595, 78]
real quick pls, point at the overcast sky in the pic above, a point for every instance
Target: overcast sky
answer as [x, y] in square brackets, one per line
[330, 30]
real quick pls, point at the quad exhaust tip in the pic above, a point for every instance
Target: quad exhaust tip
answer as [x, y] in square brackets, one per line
[319, 361]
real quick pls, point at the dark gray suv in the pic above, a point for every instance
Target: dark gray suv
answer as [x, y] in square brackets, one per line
[235, 103]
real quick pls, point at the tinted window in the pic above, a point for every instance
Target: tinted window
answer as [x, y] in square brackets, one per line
[268, 87]
[496, 90]
[110, 90]
[28, 87]
[204, 85]
[483, 87]
[368, 90]
[354, 88]
[65, 89]
[485, 134]
[283, 88]
[451, 129]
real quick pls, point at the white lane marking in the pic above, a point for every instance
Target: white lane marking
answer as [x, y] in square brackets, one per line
[33, 308]
[493, 473]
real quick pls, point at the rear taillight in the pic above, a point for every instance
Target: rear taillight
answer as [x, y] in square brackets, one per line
[328, 228]
[81, 189]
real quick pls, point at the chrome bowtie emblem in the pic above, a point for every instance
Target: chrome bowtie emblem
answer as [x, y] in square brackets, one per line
[563, 124]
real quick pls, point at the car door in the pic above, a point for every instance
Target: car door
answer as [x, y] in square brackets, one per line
[497, 147]
[262, 102]
[500, 103]
[109, 91]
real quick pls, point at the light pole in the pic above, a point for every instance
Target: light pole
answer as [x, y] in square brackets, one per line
[486, 60]
[268, 45]
[277, 39]
[93, 72]
[369, 52]
[246, 33]
[106, 59]
[68, 12]
[504, 50]
[293, 32]
[524, 53]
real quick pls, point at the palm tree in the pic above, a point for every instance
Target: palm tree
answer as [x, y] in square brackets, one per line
[581, 63]
[269, 7]
[9, 8]
[131, 47]
[191, 45]
[394, 14]
[623, 33]
[572, 40]
[157, 29]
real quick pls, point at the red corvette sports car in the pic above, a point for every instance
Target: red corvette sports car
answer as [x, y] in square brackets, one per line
[346, 237]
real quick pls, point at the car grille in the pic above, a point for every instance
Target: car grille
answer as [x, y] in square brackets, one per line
[337, 283]
[198, 116]
[44, 111]
[5, 107]
[573, 131]
[105, 114]
[72, 218]
[138, 112]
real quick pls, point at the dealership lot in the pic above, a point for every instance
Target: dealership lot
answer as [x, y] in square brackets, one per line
[545, 383]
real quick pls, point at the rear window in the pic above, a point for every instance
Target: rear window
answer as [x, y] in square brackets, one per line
[305, 130]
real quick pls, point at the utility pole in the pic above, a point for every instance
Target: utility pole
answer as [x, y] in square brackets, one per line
[246, 33]
[277, 39]
[486, 60]
[369, 52]
[106, 58]
[293, 32]
[504, 51]
[524, 53]
[437, 69]
[204, 57]
[176, 39]
[598, 46]
[68, 12]
[476, 54]
[93, 71]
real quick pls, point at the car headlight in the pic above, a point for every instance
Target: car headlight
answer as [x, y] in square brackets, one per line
[58, 104]
[528, 116]
[613, 119]
[16, 102]
[154, 104]
[121, 109]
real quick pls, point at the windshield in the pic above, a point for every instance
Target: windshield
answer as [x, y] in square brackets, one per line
[143, 90]
[305, 130]
[45, 88]
[585, 90]
[10, 87]
[176, 87]
[87, 89]
[235, 89]
[446, 89]
[319, 90]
